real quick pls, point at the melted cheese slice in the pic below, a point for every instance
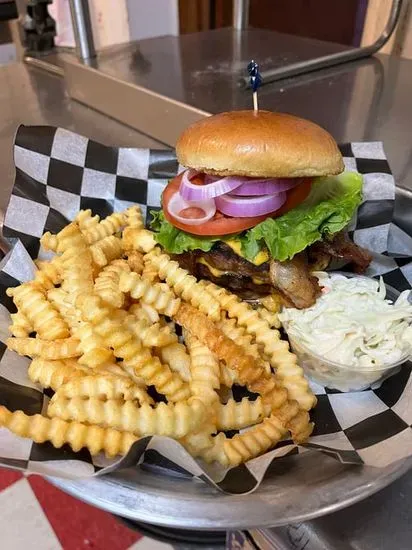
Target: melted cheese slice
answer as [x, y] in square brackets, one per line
[259, 259]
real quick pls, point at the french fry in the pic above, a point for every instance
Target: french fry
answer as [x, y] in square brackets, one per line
[41, 429]
[20, 325]
[151, 335]
[204, 371]
[144, 312]
[43, 317]
[106, 284]
[173, 420]
[135, 261]
[49, 241]
[62, 302]
[176, 357]
[201, 443]
[104, 387]
[154, 295]
[109, 226]
[237, 415]
[127, 346]
[250, 371]
[141, 240]
[277, 350]
[76, 261]
[117, 370]
[105, 251]
[247, 317]
[183, 284]
[94, 351]
[242, 338]
[271, 318]
[53, 374]
[134, 217]
[149, 272]
[86, 220]
[255, 441]
[48, 274]
[111, 330]
[228, 377]
[35, 347]
[69, 237]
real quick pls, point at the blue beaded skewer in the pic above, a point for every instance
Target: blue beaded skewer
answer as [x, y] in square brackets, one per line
[255, 81]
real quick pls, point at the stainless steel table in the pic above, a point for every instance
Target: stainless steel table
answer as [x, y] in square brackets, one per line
[367, 100]
[32, 96]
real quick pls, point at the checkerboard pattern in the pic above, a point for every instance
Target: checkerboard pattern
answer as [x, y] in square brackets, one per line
[58, 172]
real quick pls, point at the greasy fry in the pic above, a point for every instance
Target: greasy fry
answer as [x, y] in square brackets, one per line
[58, 432]
[135, 261]
[151, 335]
[34, 347]
[62, 302]
[237, 415]
[129, 348]
[255, 441]
[176, 357]
[94, 351]
[104, 387]
[141, 240]
[43, 317]
[109, 226]
[204, 370]
[183, 284]
[144, 312]
[250, 371]
[53, 374]
[134, 217]
[48, 274]
[150, 272]
[76, 261]
[107, 314]
[228, 377]
[242, 338]
[271, 318]
[86, 220]
[173, 420]
[107, 283]
[105, 251]
[152, 294]
[20, 325]
[276, 350]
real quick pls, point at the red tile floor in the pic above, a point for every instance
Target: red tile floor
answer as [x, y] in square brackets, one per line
[34, 514]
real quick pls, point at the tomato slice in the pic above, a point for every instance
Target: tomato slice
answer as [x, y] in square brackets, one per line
[225, 225]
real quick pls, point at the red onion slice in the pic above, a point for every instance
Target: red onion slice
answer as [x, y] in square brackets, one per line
[177, 205]
[192, 192]
[266, 187]
[244, 207]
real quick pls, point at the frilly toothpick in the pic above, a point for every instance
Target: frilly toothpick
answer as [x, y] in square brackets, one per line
[255, 82]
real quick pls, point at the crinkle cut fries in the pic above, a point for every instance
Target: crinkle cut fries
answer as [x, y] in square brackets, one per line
[104, 312]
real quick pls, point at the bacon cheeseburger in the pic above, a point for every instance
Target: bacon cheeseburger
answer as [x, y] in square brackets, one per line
[260, 206]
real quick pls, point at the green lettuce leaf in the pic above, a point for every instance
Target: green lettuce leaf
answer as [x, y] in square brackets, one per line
[328, 209]
[174, 240]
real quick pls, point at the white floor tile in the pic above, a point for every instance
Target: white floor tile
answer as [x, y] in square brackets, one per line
[23, 524]
[147, 543]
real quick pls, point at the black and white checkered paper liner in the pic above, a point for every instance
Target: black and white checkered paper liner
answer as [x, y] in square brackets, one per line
[58, 173]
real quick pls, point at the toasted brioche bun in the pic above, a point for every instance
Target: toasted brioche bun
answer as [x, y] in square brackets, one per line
[259, 144]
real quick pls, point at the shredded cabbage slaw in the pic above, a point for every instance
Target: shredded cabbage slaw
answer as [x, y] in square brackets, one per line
[352, 323]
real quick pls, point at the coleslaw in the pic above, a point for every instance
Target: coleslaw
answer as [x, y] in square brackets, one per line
[353, 323]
